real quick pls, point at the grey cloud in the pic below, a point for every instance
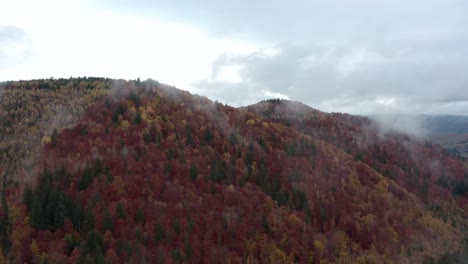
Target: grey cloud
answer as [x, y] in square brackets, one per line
[306, 19]
[335, 55]
[350, 78]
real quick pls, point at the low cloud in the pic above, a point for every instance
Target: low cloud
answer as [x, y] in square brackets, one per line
[408, 124]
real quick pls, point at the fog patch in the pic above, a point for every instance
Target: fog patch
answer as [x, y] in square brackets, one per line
[400, 123]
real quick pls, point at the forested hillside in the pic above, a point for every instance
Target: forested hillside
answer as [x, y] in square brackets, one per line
[450, 131]
[111, 171]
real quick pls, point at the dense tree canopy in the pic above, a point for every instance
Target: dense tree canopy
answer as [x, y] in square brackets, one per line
[113, 171]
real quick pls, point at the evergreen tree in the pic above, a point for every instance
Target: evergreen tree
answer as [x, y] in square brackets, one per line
[208, 135]
[107, 222]
[158, 233]
[140, 216]
[120, 211]
[94, 241]
[36, 214]
[147, 138]
[5, 225]
[193, 171]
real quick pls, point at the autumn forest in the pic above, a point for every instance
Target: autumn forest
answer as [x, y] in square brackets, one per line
[97, 170]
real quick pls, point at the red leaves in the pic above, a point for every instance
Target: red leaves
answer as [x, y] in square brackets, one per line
[171, 194]
[295, 186]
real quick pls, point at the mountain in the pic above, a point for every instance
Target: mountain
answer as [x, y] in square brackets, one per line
[111, 171]
[450, 131]
[454, 143]
[446, 124]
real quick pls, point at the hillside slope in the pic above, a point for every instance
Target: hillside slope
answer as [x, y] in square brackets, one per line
[454, 143]
[446, 124]
[153, 174]
[450, 131]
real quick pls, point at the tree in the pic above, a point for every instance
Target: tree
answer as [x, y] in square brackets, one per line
[71, 243]
[233, 139]
[193, 171]
[94, 241]
[140, 216]
[107, 222]
[5, 225]
[137, 119]
[89, 221]
[158, 233]
[86, 179]
[217, 170]
[120, 211]
[147, 138]
[36, 214]
[28, 196]
[208, 135]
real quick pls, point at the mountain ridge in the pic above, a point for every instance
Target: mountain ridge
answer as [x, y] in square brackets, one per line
[148, 169]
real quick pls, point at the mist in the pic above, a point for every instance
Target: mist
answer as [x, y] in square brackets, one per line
[413, 125]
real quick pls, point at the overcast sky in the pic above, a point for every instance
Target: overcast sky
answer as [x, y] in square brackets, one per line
[355, 56]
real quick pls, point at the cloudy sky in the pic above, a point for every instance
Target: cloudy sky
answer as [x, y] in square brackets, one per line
[355, 56]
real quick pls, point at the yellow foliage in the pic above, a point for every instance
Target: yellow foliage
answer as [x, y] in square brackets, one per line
[26, 220]
[119, 185]
[318, 245]
[250, 122]
[310, 256]
[125, 124]
[393, 235]
[107, 239]
[36, 252]
[371, 256]
[46, 140]
[284, 242]
[382, 187]
[294, 220]
[148, 113]
[171, 137]
[170, 125]
[99, 128]
[368, 219]
[275, 254]
[260, 238]
[265, 125]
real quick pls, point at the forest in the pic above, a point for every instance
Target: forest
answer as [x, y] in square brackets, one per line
[97, 170]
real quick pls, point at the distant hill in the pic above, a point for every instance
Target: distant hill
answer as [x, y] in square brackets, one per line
[454, 143]
[446, 124]
[96, 170]
[450, 131]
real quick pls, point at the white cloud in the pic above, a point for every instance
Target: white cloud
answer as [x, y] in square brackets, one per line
[386, 100]
[75, 40]
[271, 94]
[230, 73]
